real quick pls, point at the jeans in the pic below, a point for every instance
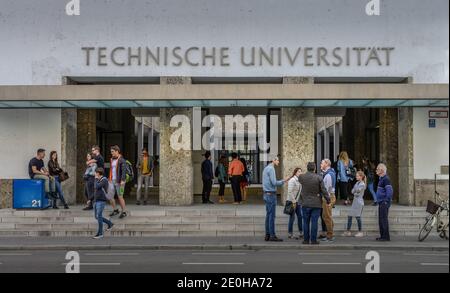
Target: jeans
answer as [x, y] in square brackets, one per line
[59, 190]
[310, 217]
[49, 182]
[383, 219]
[99, 206]
[221, 188]
[371, 186]
[270, 200]
[236, 187]
[298, 213]
[206, 192]
[146, 179]
[349, 223]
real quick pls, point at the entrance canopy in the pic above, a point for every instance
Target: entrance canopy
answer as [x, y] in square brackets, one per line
[225, 95]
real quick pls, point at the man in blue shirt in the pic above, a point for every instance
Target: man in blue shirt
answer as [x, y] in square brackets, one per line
[207, 177]
[384, 199]
[270, 184]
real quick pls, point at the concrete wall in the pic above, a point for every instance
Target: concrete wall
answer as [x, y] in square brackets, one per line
[43, 43]
[24, 131]
[431, 145]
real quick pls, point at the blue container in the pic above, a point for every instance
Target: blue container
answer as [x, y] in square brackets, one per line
[29, 194]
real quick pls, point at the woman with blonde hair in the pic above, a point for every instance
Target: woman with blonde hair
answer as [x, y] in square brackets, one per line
[357, 205]
[344, 176]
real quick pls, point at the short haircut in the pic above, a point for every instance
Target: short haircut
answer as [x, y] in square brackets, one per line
[234, 155]
[115, 148]
[144, 149]
[383, 167]
[96, 147]
[40, 151]
[100, 171]
[311, 167]
[327, 162]
[274, 158]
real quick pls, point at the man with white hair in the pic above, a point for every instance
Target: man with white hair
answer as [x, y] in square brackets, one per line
[329, 180]
[384, 199]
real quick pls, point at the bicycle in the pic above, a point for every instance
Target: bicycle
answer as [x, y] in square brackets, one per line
[435, 211]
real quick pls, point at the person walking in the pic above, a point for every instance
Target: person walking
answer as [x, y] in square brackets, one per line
[145, 173]
[329, 181]
[293, 195]
[311, 196]
[37, 171]
[55, 170]
[235, 171]
[222, 177]
[357, 204]
[369, 171]
[117, 175]
[207, 178]
[89, 182]
[385, 192]
[97, 158]
[270, 184]
[101, 185]
[344, 177]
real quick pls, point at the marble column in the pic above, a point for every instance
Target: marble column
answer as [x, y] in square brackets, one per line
[389, 150]
[6, 193]
[68, 156]
[297, 131]
[176, 168]
[406, 156]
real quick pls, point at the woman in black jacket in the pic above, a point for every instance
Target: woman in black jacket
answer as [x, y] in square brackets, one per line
[55, 170]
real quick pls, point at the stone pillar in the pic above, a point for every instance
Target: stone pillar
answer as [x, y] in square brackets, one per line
[6, 193]
[68, 157]
[297, 131]
[176, 168]
[86, 138]
[406, 156]
[389, 145]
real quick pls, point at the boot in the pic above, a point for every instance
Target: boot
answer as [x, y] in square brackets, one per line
[55, 206]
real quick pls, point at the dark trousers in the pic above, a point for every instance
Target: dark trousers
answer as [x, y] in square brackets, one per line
[207, 186]
[221, 188]
[89, 189]
[310, 223]
[343, 190]
[236, 187]
[324, 226]
[383, 220]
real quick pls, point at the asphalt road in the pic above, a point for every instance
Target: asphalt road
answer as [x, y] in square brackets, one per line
[245, 261]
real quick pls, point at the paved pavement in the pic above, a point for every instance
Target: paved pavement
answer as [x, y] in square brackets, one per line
[223, 261]
[223, 243]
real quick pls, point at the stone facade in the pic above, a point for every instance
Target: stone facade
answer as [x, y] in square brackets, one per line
[86, 138]
[6, 195]
[68, 156]
[405, 156]
[389, 145]
[424, 191]
[176, 177]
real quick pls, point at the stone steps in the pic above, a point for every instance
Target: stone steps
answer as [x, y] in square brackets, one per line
[197, 220]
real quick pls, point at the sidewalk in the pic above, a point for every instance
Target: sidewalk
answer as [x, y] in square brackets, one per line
[214, 243]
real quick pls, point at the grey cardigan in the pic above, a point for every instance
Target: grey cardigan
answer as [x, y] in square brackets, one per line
[358, 200]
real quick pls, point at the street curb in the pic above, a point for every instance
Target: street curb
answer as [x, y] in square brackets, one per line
[222, 247]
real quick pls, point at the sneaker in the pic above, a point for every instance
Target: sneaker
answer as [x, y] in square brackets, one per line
[97, 237]
[138, 203]
[359, 234]
[210, 202]
[300, 236]
[305, 242]
[236, 203]
[114, 213]
[122, 215]
[109, 228]
[267, 238]
[291, 236]
[88, 208]
[328, 240]
[315, 242]
[66, 207]
[322, 237]
[347, 234]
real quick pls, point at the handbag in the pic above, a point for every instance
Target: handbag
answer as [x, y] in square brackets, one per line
[63, 176]
[289, 208]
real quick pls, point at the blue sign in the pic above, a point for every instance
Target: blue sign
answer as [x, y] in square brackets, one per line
[431, 123]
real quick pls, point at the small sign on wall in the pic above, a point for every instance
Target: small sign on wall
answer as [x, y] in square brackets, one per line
[431, 123]
[437, 114]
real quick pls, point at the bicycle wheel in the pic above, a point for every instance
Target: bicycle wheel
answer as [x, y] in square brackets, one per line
[426, 229]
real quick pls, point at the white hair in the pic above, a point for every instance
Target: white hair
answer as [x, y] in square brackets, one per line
[327, 162]
[383, 167]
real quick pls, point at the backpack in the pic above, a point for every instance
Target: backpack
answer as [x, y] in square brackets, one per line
[110, 191]
[129, 172]
[216, 171]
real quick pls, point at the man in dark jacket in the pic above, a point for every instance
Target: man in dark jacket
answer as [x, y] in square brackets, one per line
[118, 176]
[313, 190]
[207, 177]
[101, 185]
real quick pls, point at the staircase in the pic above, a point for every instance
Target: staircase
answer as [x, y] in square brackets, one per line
[196, 220]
